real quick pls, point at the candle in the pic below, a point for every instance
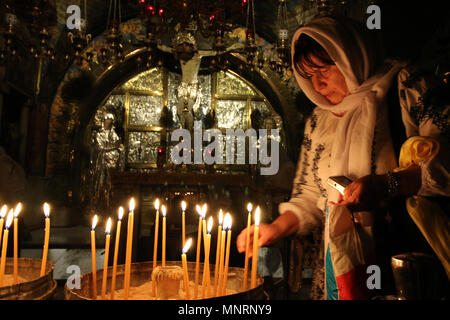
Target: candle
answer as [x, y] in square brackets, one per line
[247, 246]
[203, 214]
[183, 223]
[9, 220]
[46, 238]
[2, 217]
[206, 276]
[163, 210]
[105, 263]
[185, 270]
[221, 260]
[255, 248]
[155, 242]
[16, 243]
[116, 252]
[94, 267]
[227, 255]
[127, 278]
[197, 257]
[219, 237]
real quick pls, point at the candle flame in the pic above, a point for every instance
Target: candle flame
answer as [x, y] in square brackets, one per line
[257, 216]
[204, 211]
[187, 245]
[17, 210]
[227, 222]
[199, 209]
[163, 210]
[108, 226]
[132, 204]
[120, 213]
[46, 210]
[94, 222]
[157, 204]
[3, 211]
[249, 207]
[210, 224]
[9, 219]
[183, 205]
[220, 217]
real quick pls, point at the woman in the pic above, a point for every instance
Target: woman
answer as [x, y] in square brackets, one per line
[337, 66]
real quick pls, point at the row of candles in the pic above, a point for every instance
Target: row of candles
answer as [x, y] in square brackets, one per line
[12, 218]
[204, 230]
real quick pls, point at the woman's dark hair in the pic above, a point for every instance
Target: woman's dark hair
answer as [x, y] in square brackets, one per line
[306, 47]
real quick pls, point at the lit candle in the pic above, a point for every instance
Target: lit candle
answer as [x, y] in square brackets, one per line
[203, 214]
[93, 258]
[183, 223]
[126, 289]
[2, 217]
[105, 263]
[227, 255]
[155, 243]
[247, 246]
[255, 248]
[185, 269]
[163, 210]
[206, 276]
[197, 257]
[16, 243]
[216, 267]
[222, 256]
[46, 238]
[116, 252]
[9, 220]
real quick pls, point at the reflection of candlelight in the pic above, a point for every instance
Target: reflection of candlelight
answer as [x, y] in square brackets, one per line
[183, 223]
[185, 270]
[255, 248]
[46, 238]
[247, 245]
[155, 242]
[227, 255]
[163, 210]
[16, 242]
[116, 252]
[105, 263]
[206, 276]
[129, 250]
[94, 267]
[9, 220]
[219, 237]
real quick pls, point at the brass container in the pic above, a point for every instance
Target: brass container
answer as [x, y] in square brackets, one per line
[36, 287]
[141, 273]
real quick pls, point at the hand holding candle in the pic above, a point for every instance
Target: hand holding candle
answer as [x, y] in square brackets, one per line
[46, 238]
[255, 248]
[9, 220]
[185, 269]
[16, 243]
[116, 252]
[105, 263]
[93, 258]
[247, 245]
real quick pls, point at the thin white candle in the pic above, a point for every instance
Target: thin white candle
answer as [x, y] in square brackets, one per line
[16, 243]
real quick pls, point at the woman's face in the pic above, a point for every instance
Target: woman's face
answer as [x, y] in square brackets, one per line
[328, 81]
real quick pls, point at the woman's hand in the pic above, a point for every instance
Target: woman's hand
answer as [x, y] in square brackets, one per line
[364, 194]
[283, 226]
[369, 192]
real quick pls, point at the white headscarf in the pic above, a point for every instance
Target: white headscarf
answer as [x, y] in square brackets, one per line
[356, 58]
